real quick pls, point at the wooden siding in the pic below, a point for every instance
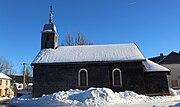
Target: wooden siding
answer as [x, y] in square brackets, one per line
[156, 83]
[53, 78]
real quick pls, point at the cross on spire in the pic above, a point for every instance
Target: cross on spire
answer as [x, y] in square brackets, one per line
[50, 15]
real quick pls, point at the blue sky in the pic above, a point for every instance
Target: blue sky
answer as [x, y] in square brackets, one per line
[154, 25]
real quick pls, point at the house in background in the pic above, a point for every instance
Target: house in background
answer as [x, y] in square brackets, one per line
[118, 67]
[172, 62]
[17, 82]
[4, 84]
[19, 79]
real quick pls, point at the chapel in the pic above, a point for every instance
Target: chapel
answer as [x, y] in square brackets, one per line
[119, 67]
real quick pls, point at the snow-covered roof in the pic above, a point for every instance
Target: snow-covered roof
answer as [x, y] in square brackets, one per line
[151, 66]
[3, 76]
[89, 53]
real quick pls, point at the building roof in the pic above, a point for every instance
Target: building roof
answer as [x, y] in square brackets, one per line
[157, 59]
[90, 53]
[152, 67]
[49, 27]
[19, 78]
[172, 58]
[3, 76]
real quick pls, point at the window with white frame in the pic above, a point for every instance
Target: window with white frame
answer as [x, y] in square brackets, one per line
[117, 77]
[83, 77]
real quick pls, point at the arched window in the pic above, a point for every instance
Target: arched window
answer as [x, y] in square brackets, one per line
[83, 77]
[117, 77]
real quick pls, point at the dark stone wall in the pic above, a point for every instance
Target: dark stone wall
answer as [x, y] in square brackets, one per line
[156, 83]
[55, 77]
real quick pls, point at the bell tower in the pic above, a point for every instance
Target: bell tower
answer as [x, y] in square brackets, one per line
[49, 36]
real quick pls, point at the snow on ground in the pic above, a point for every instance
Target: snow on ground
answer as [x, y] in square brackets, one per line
[99, 97]
[4, 98]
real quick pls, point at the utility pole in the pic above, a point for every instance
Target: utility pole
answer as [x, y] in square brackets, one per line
[24, 76]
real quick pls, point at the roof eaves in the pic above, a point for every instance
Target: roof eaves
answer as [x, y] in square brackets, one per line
[140, 60]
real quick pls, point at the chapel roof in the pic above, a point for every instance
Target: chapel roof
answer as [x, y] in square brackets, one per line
[90, 53]
[49, 27]
[151, 66]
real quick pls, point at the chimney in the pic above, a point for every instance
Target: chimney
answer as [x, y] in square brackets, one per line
[161, 56]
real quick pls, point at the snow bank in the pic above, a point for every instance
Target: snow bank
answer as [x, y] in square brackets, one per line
[4, 98]
[92, 97]
[173, 92]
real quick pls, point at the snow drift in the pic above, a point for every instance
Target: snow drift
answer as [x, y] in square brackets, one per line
[91, 97]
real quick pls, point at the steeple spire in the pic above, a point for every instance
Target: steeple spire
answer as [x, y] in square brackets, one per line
[50, 15]
[49, 35]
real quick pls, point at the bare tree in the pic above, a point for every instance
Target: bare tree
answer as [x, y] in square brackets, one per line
[6, 66]
[80, 39]
[69, 40]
